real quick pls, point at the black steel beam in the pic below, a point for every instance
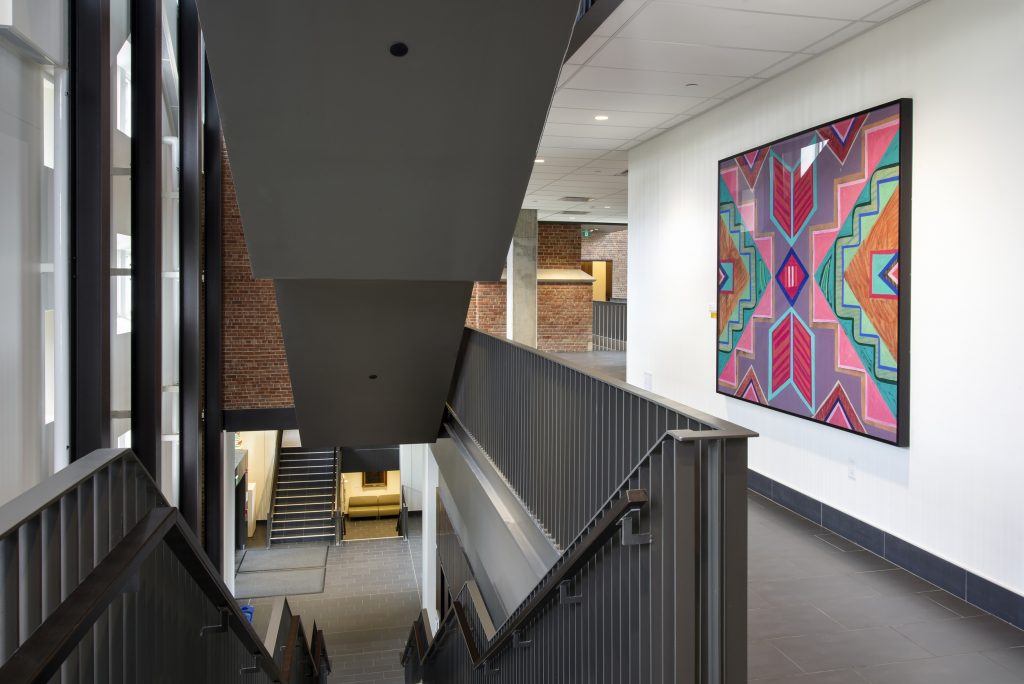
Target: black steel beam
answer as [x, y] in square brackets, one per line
[213, 456]
[90, 163]
[147, 264]
[190, 70]
[243, 420]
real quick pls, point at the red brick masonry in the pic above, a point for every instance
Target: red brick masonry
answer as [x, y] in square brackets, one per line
[255, 365]
[564, 312]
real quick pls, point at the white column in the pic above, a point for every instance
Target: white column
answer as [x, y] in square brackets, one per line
[228, 511]
[429, 573]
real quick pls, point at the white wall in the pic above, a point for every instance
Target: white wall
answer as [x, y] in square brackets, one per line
[956, 491]
[412, 463]
[261, 446]
[33, 256]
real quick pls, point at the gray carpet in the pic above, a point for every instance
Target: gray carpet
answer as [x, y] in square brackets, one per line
[259, 560]
[279, 582]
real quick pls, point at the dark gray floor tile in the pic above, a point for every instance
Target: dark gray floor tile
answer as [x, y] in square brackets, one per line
[856, 648]
[838, 542]
[832, 677]
[865, 561]
[1010, 658]
[755, 601]
[950, 602]
[796, 591]
[764, 661]
[963, 635]
[772, 623]
[968, 668]
[877, 611]
[895, 581]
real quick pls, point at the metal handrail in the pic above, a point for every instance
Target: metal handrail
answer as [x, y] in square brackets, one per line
[712, 422]
[50, 491]
[541, 420]
[273, 492]
[337, 513]
[39, 658]
[583, 550]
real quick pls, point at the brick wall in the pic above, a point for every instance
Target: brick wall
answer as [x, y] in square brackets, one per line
[602, 246]
[564, 316]
[558, 246]
[564, 312]
[487, 308]
[255, 365]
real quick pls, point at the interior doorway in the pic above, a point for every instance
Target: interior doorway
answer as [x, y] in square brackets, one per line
[602, 272]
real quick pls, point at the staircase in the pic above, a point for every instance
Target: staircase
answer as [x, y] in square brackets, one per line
[305, 492]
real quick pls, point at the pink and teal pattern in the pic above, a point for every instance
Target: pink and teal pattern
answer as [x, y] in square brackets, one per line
[811, 308]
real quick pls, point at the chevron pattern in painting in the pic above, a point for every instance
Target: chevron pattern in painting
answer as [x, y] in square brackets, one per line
[811, 238]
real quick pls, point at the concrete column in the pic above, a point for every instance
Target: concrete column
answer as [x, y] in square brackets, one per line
[521, 272]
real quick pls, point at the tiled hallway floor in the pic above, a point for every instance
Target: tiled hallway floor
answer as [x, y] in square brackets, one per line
[371, 596]
[824, 611]
[821, 611]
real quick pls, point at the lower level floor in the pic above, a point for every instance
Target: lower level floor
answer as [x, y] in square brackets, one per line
[821, 610]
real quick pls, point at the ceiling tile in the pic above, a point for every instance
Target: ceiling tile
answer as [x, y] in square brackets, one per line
[594, 130]
[624, 53]
[784, 65]
[582, 143]
[699, 25]
[586, 51]
[614, 154]
[623, 102]
[650, 82]
[892, 9]
[551, 152]
[586, 116]
[550, 168]
[590, 172]
[623, 13]
[740, 87]
[840, 36]
[566, 73]
[606, 164]
[704, 106]
[676, 120]
[648, 135]
[830, 9]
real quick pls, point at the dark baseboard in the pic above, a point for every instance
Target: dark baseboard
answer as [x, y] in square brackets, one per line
[962, 583]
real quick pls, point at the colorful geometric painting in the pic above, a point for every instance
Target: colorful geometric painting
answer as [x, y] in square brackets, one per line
[813, 274]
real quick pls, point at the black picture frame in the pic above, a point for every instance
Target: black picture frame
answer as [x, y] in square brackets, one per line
[902, 414]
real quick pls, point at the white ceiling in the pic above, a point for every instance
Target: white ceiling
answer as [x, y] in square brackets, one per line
[654, 64]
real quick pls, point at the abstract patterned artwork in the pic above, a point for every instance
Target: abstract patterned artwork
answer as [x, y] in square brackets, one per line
[813, 315]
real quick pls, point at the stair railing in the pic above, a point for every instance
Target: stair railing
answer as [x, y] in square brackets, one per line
[482, 640]
[55, 534]
[103, 581]
[338, 515]
[273, 493]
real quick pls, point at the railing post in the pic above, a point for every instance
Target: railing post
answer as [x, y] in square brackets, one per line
[9, 609]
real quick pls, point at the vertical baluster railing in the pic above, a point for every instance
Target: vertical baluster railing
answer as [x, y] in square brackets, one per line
[52, 537]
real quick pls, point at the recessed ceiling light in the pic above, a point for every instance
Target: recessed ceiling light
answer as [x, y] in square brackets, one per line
[607, 207]
[601, 117]
[538, 161]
